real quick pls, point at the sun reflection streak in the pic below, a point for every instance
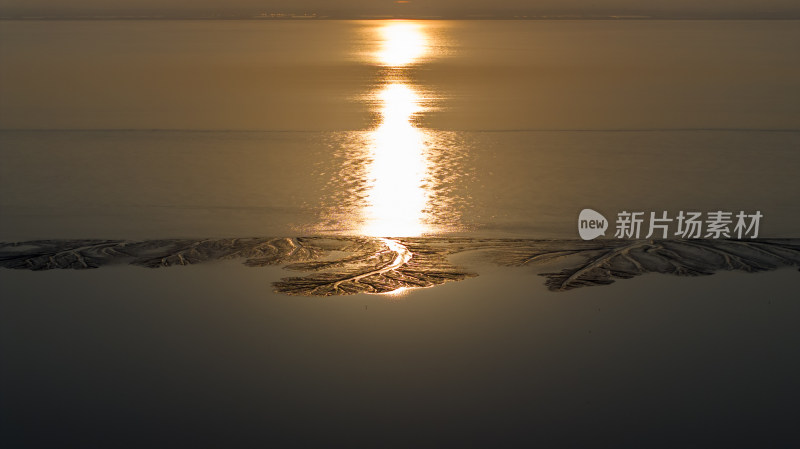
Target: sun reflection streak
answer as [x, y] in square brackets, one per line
[396, 197]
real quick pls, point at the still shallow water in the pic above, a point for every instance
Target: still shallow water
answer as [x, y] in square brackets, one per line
[208, 356]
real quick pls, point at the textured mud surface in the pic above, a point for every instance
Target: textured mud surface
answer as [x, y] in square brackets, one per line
[348, 265]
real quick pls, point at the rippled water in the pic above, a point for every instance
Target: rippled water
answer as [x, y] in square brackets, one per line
[391, 128]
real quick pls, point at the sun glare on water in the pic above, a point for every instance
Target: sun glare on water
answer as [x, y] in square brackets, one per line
[403, 43]
[397, 197]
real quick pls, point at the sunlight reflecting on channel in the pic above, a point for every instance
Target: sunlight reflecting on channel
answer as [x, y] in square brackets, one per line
[396, 198]
[403, 43]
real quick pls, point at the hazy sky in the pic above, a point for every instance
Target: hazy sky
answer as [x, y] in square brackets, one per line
[415, 6]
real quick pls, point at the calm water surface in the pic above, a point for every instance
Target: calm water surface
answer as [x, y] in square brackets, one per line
[393, 128]
[160, 129]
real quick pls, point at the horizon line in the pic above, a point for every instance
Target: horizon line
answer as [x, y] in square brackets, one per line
[510, 130]
[310, 16]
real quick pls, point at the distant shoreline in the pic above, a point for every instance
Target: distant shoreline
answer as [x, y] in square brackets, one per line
[793, 17]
